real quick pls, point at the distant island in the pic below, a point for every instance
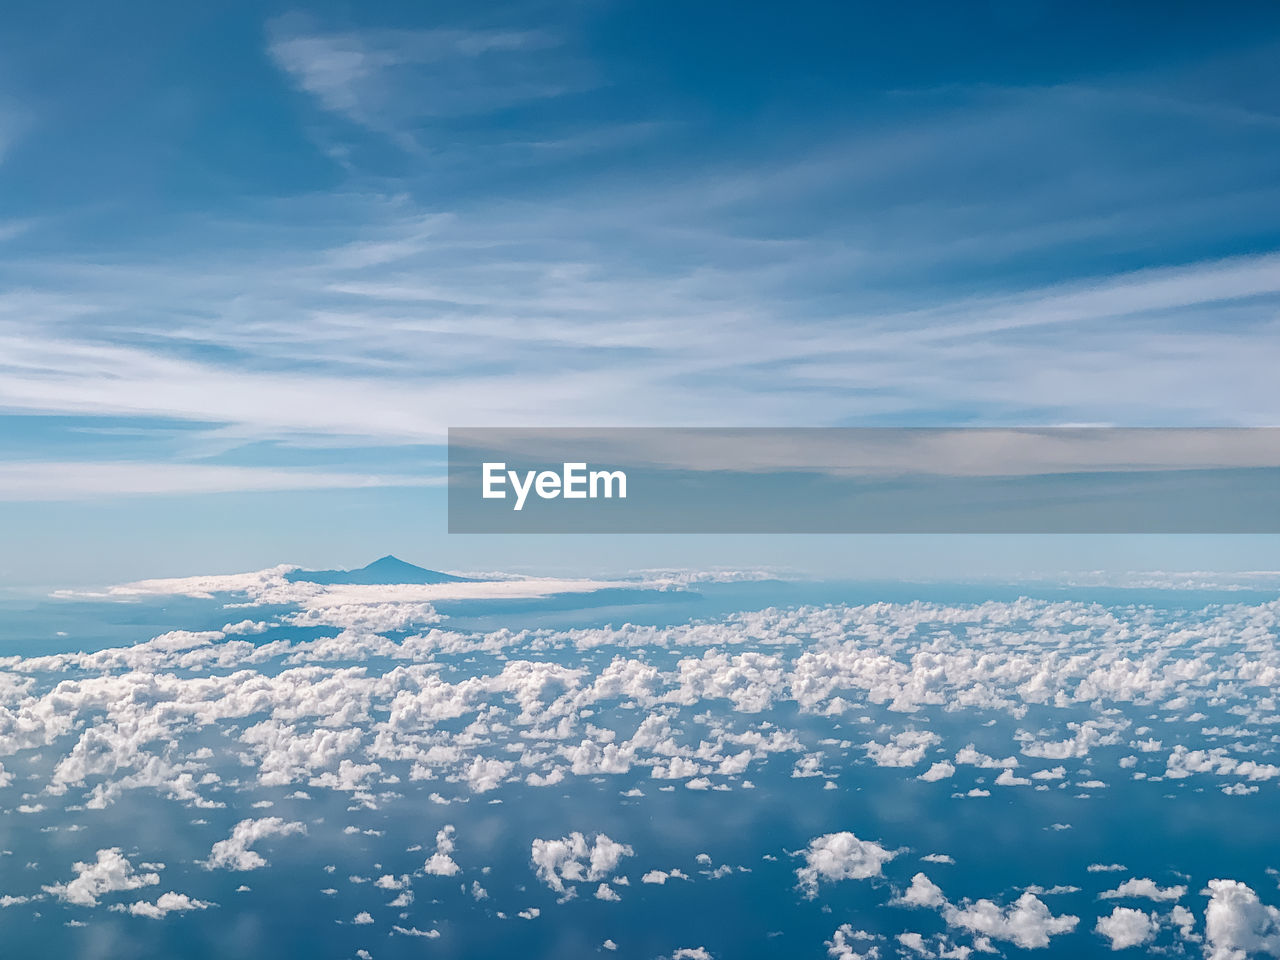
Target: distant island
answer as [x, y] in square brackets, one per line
[386, 569]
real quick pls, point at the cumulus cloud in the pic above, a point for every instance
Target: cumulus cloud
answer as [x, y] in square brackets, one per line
[1144, 887]
[938, 771]
[1183, 762]
[1237, 924]
[1027, 922]
[321, 729]
[840, 856]
[850, 943]
[485, 774]
[1126, 927]
[569, 860]
[923, 892]
[662, 876]
[970, 756]
[109, 873]
[381, 694]
[233, 853]
[1088, 734]
[440, 863]
[415, 932]
[904, 749]
[165, 904]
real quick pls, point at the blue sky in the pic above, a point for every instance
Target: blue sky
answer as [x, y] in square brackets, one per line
[258, 259]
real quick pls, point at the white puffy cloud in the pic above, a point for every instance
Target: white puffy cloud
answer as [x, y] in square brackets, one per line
[970, 756]
[440, 863]
[233, 853]
[1237, 924]
[923, 892]
[1027, 922]
[245, 627]
[938, 771]
[904, 749]
[840, 856]
[568, 860]
[662, 876]
[605, 856]
[1126, 927]
[165, 904]
[1185, 921]
[110, 872]
[432, 934]
[1185, 763]
[1144, 887]
[343, 708]
[1007, 778]
[320, 727]
[1088, 734]
[849, 943]
[485, 774]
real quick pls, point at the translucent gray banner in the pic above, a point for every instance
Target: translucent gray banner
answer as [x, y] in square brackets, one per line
[864, 480]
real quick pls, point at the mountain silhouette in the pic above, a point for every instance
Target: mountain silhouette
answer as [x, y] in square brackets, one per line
[386, 569]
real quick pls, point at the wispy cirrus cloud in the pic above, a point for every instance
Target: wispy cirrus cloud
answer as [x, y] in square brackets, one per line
[390, 80]
[399, 335]
[979, 255]
[82, 480]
